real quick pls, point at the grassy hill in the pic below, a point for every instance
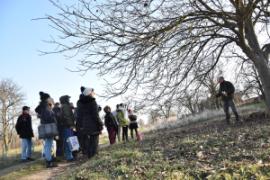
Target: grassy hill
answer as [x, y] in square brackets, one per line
[209, 150]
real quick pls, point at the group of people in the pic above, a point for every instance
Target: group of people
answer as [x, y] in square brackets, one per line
[119, 121]
[84, 122]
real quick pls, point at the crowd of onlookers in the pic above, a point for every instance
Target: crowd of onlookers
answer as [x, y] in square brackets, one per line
[81, 126]
[71, 126]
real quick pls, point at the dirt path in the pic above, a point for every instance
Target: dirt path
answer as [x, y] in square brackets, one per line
[47, 174]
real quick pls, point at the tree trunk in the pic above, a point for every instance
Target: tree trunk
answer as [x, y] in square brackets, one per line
[264, 73]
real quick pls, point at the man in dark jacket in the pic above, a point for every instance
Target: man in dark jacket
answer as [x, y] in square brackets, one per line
[25, 131]
[91, 125]
[226, 91]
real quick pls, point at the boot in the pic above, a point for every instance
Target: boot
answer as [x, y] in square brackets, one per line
[50, 164]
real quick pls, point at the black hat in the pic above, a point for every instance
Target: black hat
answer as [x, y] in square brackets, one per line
[25, 108]
[44, 96]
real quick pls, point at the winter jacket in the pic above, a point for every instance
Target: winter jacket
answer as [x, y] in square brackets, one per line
[67, 117]
[110, 121]
[24, 126]
[133, 121]
[57, 113]
[227, 87]
[88, 117]
[121, 118]
[46, 115]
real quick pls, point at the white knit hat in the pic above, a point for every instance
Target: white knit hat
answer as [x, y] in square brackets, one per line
[88, 91]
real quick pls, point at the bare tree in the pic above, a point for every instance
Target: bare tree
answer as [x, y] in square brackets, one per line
[158, 45]
[251, 81]
[10, 102]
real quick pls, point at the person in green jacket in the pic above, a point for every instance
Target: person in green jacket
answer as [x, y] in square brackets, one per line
[123, 122]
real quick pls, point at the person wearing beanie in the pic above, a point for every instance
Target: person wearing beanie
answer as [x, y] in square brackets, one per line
[67, 120]
[91, 124]
[47, 116]
[25, 131]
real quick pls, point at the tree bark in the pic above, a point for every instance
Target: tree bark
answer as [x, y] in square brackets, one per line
[264, 74]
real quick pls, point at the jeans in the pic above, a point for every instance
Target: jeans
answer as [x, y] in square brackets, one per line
[48, 148]
[67, 132]
[226, 105]
[26, 148]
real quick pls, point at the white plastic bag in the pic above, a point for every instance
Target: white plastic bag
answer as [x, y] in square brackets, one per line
[73, 143]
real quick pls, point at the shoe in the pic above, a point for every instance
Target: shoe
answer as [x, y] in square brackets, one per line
[71, 160]
[23, 160]
[50, 164]
[30, 159]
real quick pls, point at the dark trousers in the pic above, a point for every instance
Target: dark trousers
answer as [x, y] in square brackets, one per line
[81, 142]
[91, 145]
[112, 135]
[226, 105]
[119, 134]
[131, 132]
[60, 144]
[125, 133]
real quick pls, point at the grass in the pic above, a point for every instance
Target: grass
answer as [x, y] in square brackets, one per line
[199, 151]
[14, 156]
[24, 171]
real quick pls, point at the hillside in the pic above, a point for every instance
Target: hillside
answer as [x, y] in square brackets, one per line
[199, 151]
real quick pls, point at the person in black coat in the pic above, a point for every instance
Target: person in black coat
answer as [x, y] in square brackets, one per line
[25, 131]
[91, 124]
[111, 124]
[226, 92]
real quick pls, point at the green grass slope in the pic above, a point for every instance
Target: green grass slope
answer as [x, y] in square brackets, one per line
[200, 151]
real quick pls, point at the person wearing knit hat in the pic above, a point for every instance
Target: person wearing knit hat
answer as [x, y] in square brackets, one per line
[43, 96]
[88, 92]
[25, 131]
[47, 116]
[89, 122]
